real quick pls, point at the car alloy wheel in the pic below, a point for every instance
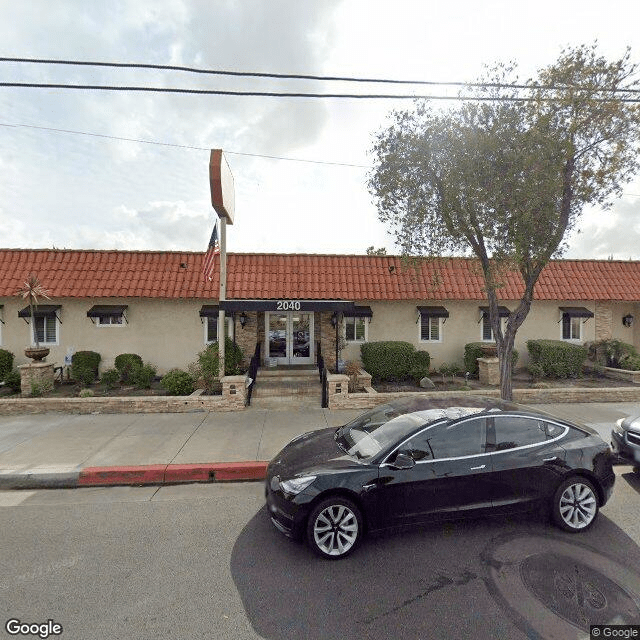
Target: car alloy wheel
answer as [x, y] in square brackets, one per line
[575, 505]
[334, 528]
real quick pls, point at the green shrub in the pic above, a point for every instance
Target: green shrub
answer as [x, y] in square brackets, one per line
[86, 393]
[143, 376]
[6, 363]
[207, 368]
[474, 350]
[13, 380]
[557, 359]
[84, 366]
[390, 360]
[536, 371]
[419, 365]
[127, 364]
[110, 378]
[611, 353]
[631, 363]
[177, 382]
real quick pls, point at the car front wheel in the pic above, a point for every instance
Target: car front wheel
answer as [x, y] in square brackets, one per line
[575, 505]
[334, 528]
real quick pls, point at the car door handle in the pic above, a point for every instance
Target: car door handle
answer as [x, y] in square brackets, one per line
[482, 466]
[551, 459]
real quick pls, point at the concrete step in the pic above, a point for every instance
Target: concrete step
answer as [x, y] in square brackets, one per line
[299, 403]
[266, 372]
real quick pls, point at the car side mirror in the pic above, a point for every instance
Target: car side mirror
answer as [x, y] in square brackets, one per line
[403, 461]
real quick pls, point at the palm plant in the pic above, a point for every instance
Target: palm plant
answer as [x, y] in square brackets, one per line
[32, 289]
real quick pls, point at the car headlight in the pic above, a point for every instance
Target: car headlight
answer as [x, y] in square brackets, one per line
[619, 429]
[296, 485]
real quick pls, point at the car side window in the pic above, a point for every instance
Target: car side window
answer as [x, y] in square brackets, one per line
[456, 440]
[518, 431]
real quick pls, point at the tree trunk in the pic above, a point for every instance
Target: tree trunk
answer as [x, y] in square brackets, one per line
[506, 384]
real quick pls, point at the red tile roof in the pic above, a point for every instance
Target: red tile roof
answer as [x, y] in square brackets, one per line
[156, 274]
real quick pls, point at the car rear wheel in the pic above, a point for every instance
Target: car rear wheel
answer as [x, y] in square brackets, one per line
[575, 505]
[334, 528]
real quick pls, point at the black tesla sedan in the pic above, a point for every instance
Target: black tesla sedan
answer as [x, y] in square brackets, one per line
[418, 458]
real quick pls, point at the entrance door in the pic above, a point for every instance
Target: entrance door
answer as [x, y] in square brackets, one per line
[290, 337]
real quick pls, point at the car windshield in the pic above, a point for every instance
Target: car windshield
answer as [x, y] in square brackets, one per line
[388, 424]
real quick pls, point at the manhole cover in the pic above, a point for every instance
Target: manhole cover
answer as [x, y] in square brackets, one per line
[551, 588]
[577, 592]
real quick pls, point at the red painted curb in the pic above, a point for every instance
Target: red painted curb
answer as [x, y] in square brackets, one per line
[172, 473]
[100, 476]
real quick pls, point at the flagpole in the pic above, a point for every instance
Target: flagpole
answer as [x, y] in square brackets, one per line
[223, 294]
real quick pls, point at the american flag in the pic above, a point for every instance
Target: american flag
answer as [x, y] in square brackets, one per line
[210, 256]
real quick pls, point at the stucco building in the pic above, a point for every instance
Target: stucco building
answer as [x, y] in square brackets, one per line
[159, 305]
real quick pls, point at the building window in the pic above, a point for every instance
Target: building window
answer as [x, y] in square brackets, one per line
[46, 330]
[571, 327]
[430, 329]
[109, 320]
[211, 329]
[487, 331]
[355, 329]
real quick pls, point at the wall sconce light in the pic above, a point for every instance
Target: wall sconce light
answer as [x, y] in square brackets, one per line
[627, 320]
[334, 320]
[243, 319]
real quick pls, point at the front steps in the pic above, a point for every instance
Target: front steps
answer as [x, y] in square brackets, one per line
[287, 388]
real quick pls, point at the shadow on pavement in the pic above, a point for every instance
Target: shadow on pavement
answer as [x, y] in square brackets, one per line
[465, 578]
[632, 479]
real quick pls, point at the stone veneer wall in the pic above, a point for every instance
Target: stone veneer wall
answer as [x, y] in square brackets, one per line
[604, 321]
[327, 339]
[233, 398]
[340, 398]
[247, 337]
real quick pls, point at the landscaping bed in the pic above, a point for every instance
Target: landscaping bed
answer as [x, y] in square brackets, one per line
[521, 380]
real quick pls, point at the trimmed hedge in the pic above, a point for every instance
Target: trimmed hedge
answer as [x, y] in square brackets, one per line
[127, 364]
[556, 359]
[394, 360]
[6, 363]
[207, 367]
[474, 350]
[84, 366]
[613, 353]
[14, 380]
[143, 376]
[177, 382]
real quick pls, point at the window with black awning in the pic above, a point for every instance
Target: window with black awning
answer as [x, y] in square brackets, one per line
[108, 314]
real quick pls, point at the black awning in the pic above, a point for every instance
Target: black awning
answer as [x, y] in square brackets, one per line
[359, 312]
[41, 311]
[111, 310]
[288, 305]
[434, 312]
[503, 312]
[576, 312]
[209, 311]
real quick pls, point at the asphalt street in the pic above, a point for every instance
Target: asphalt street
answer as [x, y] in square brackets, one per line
[204, 561]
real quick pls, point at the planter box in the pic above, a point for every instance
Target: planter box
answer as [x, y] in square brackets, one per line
[622, 374]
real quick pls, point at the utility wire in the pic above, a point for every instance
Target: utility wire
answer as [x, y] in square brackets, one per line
[181, 146]
[294, 76]
[284, 94]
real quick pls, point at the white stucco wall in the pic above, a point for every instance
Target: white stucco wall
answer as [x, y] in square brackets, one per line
[399, 321]
[165, 333]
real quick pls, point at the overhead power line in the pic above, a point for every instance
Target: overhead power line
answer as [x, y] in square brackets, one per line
[286, 94]
[180, 146]
[295, 76]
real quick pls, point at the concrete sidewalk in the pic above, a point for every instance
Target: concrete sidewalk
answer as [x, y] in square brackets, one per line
[58, 450]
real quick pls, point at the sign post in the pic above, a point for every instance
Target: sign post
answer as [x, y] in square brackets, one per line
[223, 201]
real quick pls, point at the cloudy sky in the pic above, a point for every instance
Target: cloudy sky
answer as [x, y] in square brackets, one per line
[67, 190]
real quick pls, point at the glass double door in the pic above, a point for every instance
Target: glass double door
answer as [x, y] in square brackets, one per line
[290, 337]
